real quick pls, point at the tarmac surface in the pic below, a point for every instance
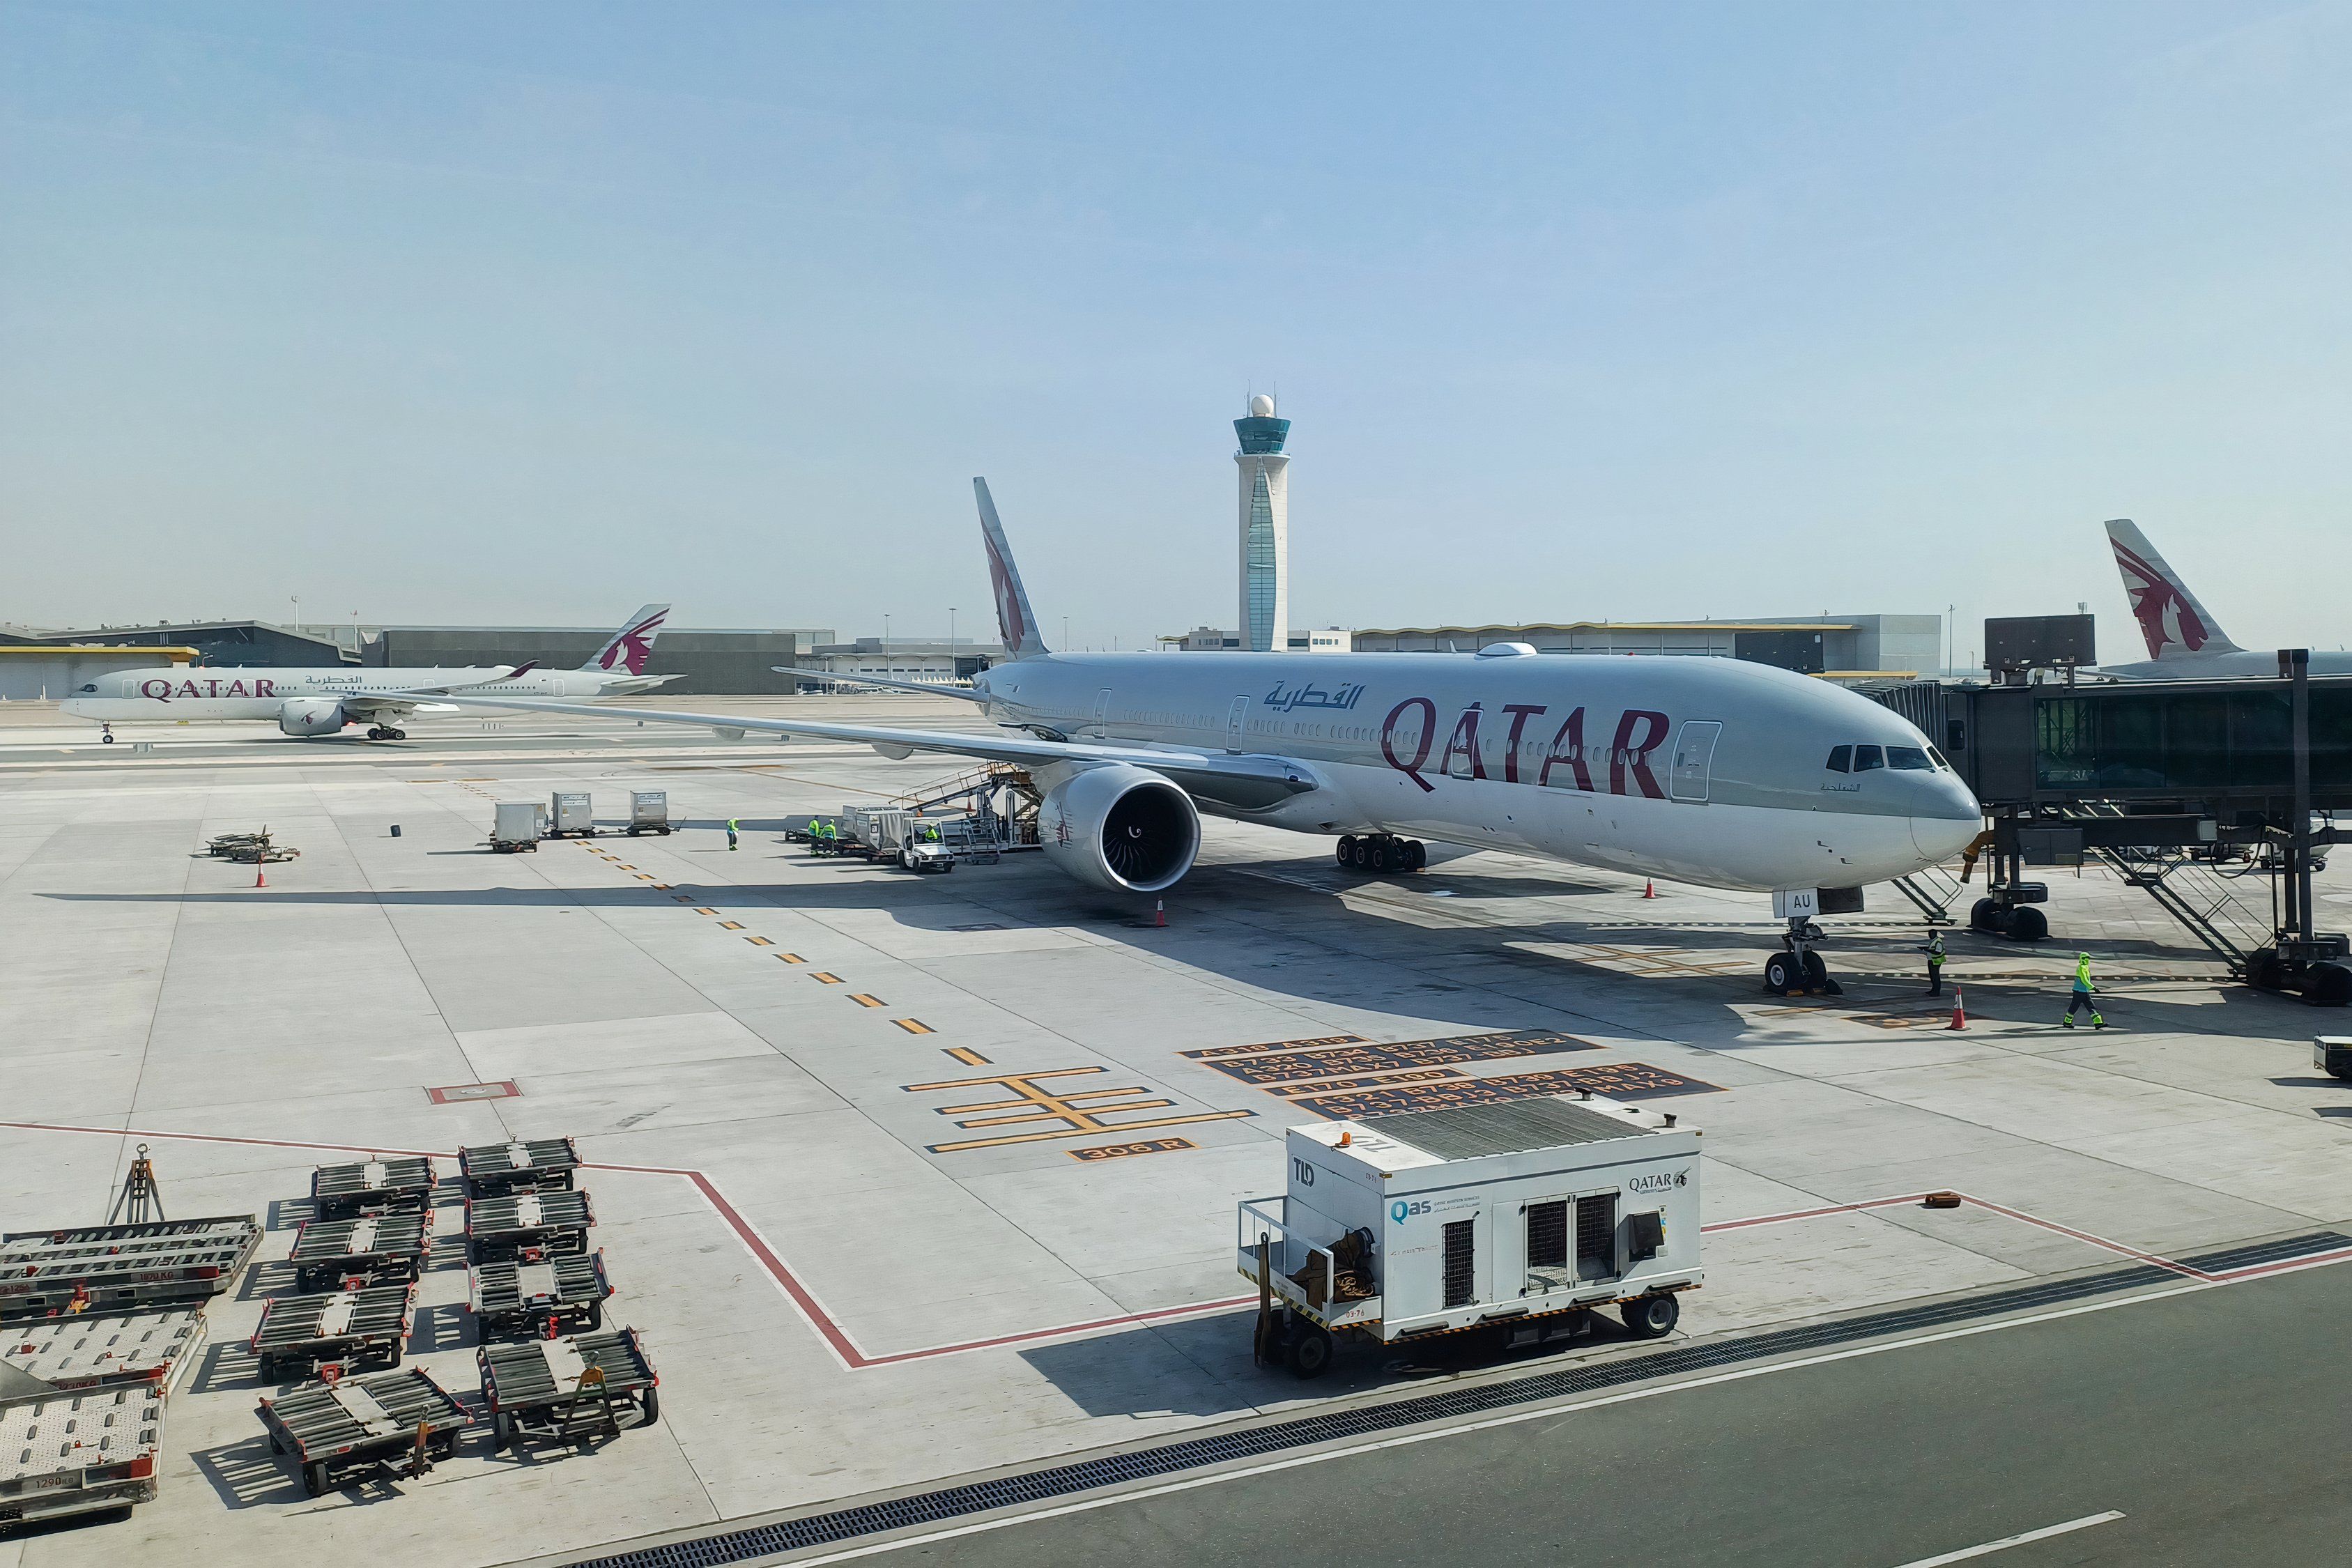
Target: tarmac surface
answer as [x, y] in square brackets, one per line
[908, 1180]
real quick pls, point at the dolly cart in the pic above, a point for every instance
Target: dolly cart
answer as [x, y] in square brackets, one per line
[560, 1391]
[537, 1300]
[338, 1430]
[648, 810]
[490, 1169]
[527, 1227]
[374, 1250]
[117, 1267]
[374, 1186]
[79, 1452]
[309, 1332]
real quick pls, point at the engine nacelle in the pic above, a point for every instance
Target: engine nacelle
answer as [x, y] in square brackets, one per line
[1122, 827]
[311, 715]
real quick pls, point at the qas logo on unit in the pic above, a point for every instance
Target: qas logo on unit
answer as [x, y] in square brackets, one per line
[1399, 1210]
[1658, 1181]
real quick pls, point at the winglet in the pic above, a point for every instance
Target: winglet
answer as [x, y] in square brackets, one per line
[2173, 623]
[1016, 624]
[633, 644]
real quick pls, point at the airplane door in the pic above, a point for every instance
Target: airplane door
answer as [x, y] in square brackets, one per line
[129, 688]
[1102, 706]
[1695, 759]
[1234, 723]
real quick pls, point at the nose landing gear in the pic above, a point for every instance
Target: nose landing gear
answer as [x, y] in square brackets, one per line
[1380, 853]
[1800, 970]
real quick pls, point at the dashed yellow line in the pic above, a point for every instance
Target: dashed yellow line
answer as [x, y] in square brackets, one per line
[728, 925]
[967, 1056]
[792, 958]
[822, 978]
[758, 941]
[864, 1000]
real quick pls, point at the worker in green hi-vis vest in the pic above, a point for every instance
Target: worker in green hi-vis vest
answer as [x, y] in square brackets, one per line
[2081, 1001]
[730, 833]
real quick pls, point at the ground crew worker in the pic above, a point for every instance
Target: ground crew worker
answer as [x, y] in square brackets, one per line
[730, 833]
[1935, 951]
[2081, 1000]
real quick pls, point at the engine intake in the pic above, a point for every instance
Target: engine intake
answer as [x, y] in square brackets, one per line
[1122, 827]
[312, 716]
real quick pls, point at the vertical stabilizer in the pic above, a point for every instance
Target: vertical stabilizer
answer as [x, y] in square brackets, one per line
[632, 645]
[2171, 620]
[1016, 624]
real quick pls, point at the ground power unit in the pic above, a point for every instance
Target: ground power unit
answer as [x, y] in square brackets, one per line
[1517, 1220]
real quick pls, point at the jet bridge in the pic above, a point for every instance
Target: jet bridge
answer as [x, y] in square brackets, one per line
[2187, 789]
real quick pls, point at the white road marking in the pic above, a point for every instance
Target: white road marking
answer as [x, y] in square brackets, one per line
[1544, 1413]
[2006, 1541]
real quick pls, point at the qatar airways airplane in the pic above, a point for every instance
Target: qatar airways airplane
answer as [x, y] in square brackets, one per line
[1707, 771]
[323, 701]
[2184, 641]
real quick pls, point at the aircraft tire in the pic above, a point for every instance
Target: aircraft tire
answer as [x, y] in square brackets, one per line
[1817, 973]
[2026, 924]
[1418, 853]
[1376, 857]
[1781, 974]
[1980, 916]
[1346, 850]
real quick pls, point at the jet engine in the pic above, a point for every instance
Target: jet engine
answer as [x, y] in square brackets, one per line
[312, 716]
[1122, 827]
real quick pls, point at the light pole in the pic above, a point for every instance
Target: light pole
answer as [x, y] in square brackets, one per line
[1951, 624]
[1066, 633]
[298, 610]
[951, 659]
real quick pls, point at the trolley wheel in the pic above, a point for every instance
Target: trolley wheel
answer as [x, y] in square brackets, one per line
[502, 1429]
[399, 1345]
[275, 1446]
[595, 1316]
[1648, 1317]
[652, 1405]
[2026, 924]
[314, 1477]
[1781, 974]
[1310, 1352]
[1346, 849]
[269, 1374]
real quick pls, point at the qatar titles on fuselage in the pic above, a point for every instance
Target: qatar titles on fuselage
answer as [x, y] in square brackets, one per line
[202, 691]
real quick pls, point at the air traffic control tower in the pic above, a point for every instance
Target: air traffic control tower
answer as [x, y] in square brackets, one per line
[1266, 528]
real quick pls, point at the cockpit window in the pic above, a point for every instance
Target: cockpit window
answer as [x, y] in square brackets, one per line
[1840, 759]
[1909, 759]
[1866, 758]
[91, 687]
[1939, 759]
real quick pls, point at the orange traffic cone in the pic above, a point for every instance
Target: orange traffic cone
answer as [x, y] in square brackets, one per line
[1649, 889]
[1158, 912]
[260, 879]
[1959, 1010]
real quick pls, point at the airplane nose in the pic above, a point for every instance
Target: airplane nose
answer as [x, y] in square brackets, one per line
[1956, 821]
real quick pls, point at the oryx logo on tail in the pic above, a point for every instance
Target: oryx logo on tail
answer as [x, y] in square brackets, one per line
[2171, 621]
[633, 644]
[1015, 622]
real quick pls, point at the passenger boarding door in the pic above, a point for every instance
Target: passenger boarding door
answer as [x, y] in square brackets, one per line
[1102, 706]
[1234, 723]
[1695, 759]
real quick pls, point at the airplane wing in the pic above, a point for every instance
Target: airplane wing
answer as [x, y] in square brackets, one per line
[1248, 783]
[928, 689]
[372, 706]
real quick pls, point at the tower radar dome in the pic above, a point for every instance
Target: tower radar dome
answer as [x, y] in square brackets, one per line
[1262, 406]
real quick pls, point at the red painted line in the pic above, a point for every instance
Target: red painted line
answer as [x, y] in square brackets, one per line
[846, 1351]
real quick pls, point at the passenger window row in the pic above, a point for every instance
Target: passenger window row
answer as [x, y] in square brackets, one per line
[1903, 759]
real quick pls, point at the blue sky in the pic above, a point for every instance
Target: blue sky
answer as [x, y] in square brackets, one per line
[531, 312]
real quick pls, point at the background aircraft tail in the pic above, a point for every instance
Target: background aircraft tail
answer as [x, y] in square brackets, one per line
[1016, 624]
[2174, 623]
[633, 644]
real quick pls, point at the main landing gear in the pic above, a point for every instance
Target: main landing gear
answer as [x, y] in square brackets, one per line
[1380, 853]
[384, 732]
[1800, 970]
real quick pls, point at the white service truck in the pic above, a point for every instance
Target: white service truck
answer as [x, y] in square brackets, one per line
[1518, 1219]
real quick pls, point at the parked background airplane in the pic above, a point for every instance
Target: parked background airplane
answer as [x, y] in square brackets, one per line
[1709, 770]
[2184, 641]
[323, 701]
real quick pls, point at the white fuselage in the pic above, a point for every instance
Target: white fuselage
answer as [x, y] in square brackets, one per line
[184, 692]
[2242, 664]
[1704, 770]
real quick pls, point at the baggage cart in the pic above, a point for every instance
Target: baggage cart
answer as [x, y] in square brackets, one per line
[1517, 1219]
[66, 1454]
[305, 1332]
[41, 1358]
[572, 813]
[490, 1169]
[562, 1391]
[648, 810]
[528, 1227]
[117, 1267]
[516, 827]
[371, 1186]
[526, 1301]
[342, 1430]
[374, 1249]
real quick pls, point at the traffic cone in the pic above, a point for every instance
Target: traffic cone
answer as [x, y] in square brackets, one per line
[1649, 889]
[1959, 1009]
[1158, 912]
[260, 878]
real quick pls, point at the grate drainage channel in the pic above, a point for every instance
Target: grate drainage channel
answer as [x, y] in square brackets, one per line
[2260, 1252]
[1117, 1469]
